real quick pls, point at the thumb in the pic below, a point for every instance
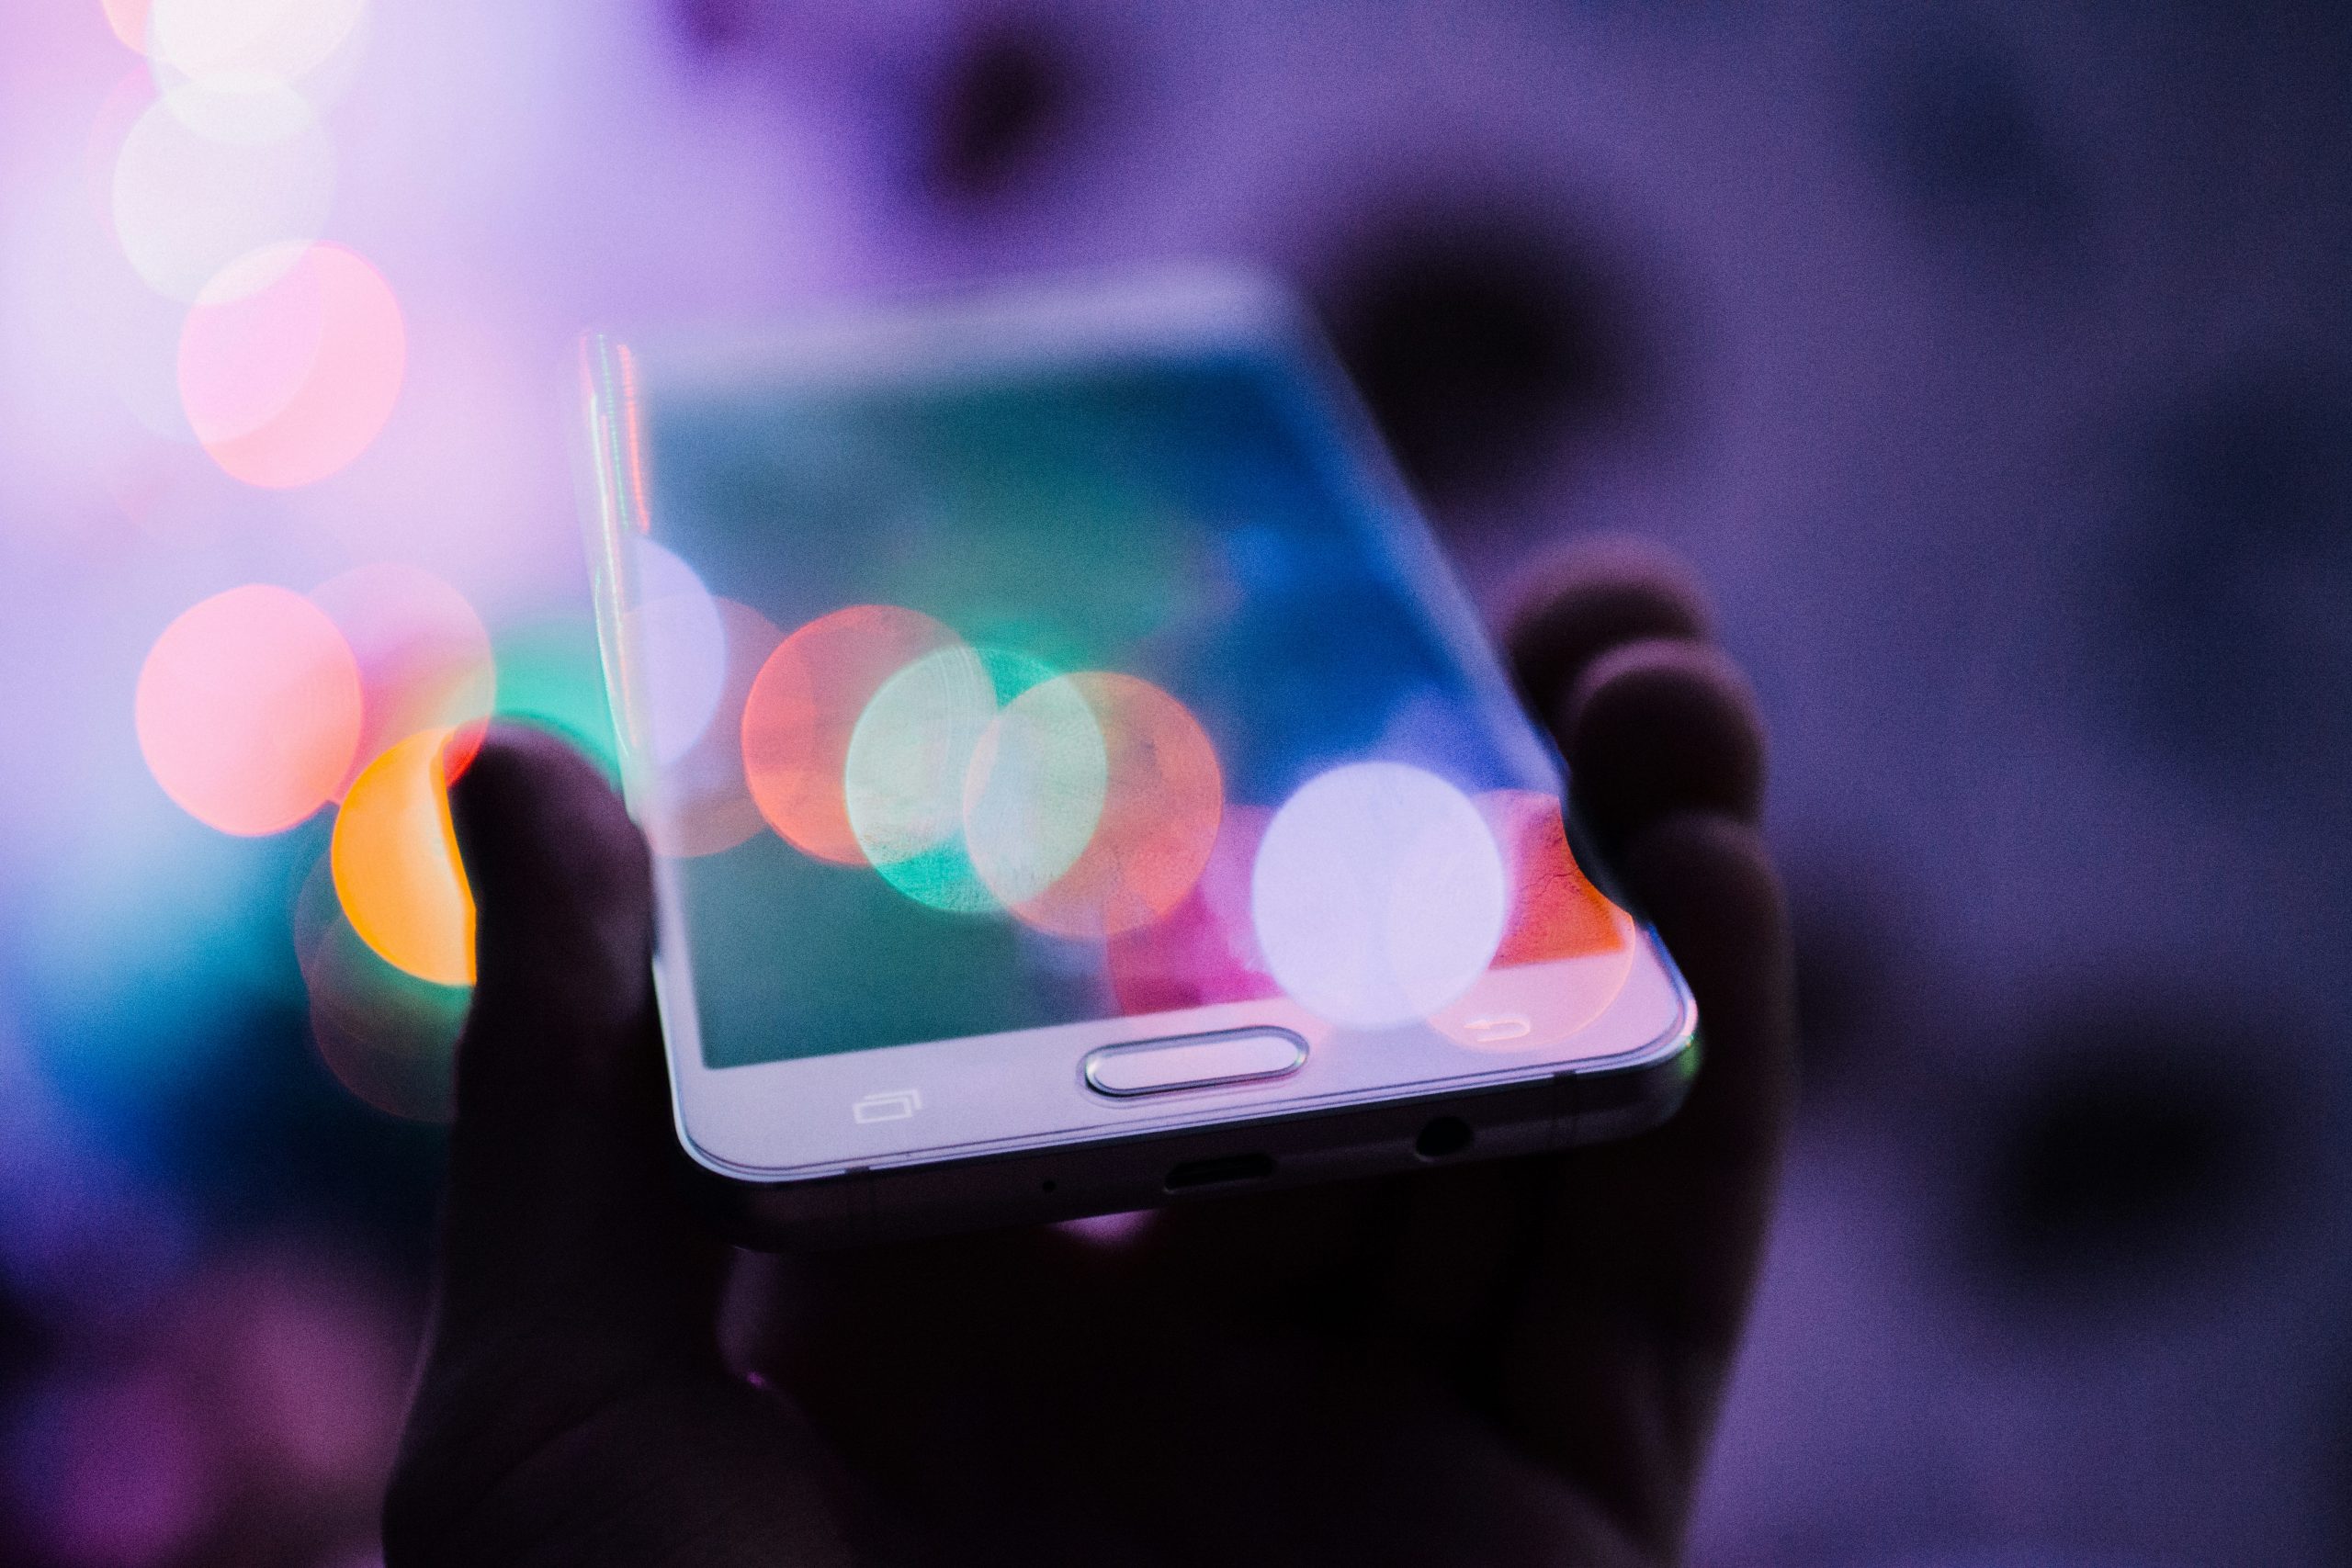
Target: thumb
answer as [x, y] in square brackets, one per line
[563, 1222]
[572, 1406]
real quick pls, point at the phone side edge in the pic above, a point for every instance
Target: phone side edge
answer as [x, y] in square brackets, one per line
[1617, 1098]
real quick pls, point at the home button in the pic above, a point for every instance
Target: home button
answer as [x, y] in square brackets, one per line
[1195, 1061]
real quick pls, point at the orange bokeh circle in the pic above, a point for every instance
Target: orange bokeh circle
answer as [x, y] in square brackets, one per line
[1160, 810]
[804, 706]
[1555, 912]
[395, 861]
[285, 382]
[248, 709]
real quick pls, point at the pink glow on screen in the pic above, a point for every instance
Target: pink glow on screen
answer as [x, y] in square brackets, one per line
[249, 710]
[287, 383]
[1204, 949]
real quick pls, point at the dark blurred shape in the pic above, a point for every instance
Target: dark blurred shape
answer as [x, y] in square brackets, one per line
[2335, 1452]
[2237, 565]
[269, 1137]
[2148, 1144]
[1000, 106]
[1841, 927]
[247, 1419]
[717, 26]
[387, 1036]
[25, 1343]
[20, 1339]
[1966, 139]
[1477, 340]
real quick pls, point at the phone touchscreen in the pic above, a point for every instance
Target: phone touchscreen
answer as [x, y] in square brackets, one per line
[983, 700]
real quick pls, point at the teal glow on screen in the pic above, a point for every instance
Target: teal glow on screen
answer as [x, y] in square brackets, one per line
[975, 704]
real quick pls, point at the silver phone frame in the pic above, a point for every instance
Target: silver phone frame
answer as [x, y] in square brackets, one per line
[1259, 1135]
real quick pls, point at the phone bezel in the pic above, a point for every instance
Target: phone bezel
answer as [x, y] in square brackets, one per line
[729, 1119]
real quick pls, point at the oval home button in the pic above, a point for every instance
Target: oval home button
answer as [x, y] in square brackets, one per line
[1195, 1061]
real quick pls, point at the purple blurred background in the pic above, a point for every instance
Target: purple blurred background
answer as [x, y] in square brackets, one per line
[1994, 368]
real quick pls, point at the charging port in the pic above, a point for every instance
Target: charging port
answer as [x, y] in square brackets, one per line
[1446, 1136]
[1220, 1171]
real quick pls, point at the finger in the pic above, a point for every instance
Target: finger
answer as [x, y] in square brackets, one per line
[1258, 1256]
[1613, 1363]
[1657, 728]
[562, 1217]
[1573, 611]
[572, 1405]
[1600, 594]
[1653, 728]
[1604, 629]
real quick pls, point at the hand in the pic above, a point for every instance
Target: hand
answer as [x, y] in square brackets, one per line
[1511, 1362]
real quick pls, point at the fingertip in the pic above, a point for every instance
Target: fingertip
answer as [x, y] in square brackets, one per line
[1597, 594]
[563, 887]
[1701, 872]
[1659, 727]
[528, 791]
[1707, 881]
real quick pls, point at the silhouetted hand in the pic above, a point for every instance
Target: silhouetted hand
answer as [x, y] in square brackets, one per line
[1511, 1362]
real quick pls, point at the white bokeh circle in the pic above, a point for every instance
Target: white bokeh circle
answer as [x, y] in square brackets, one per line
[1378, 895]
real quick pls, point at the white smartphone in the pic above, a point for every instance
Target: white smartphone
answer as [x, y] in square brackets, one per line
[1078, 783]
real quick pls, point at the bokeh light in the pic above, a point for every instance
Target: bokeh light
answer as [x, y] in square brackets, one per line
[83, 321]
[908, 757]
[805, 706]
[133, 95]
[551, 675]
[278, 40]
[128, 21]
[423, 658]
[1556, 911]
[1205, 949]
[396, 867]
[287, 382]
[387, 1036]
[241, 111]
[209, 178]
[1566, 950]
[1034, 790]
[1162, 802]
[1378, 895]
[680, 646]
[705, 803]
[249, 709]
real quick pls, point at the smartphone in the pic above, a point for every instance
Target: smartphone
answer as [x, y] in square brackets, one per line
[1076, 781]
